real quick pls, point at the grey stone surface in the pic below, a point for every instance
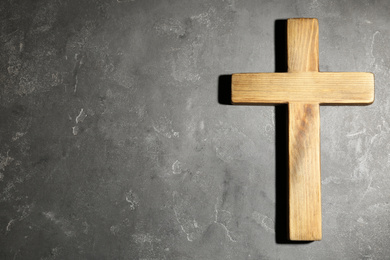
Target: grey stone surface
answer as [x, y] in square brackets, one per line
[116, 142]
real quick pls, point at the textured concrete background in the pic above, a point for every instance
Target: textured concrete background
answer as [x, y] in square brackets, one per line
[117, 143]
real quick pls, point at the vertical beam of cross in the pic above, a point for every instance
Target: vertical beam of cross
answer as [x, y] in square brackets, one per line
[304, 137]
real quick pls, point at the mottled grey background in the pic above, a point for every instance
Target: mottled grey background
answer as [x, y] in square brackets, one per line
[116, 142]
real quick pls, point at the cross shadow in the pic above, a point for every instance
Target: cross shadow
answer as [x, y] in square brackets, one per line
[281, 139]
[281, 136]
[225, 89]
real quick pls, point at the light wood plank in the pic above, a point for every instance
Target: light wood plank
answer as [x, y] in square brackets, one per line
[303, 130]
[302, 44]
[304, 171]
[317, 87]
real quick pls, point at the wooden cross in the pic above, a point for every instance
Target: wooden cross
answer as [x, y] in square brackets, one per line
[303, 88]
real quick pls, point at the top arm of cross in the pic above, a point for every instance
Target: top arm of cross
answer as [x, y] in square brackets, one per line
[303, 88]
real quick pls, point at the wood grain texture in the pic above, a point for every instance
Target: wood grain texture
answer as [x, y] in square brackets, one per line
[317, 87]
[302, 44]
[304, 171]
[304, 134]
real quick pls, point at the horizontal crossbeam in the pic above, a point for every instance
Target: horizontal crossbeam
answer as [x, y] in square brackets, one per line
[310, 87]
